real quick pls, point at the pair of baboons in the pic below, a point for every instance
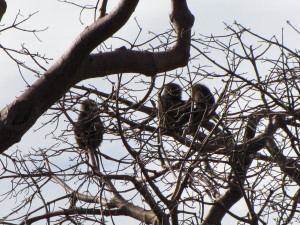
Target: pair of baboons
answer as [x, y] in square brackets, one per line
[173, 111]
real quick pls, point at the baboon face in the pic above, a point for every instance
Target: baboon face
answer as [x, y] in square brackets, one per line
[201, 94]
[88, 106]
[172, 90]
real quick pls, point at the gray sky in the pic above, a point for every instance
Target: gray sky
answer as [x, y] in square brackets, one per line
[266, 18]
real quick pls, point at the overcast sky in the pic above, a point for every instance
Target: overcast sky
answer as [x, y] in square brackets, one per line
[266, 17]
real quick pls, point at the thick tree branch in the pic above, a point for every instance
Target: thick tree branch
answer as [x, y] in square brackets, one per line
[147, 63]
[73, 66]
[20, 115]
[288, 166]
[80, 211]
[235, 192]
[3, 7]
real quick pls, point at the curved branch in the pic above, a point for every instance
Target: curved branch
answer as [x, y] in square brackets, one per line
[287, 166]
[82, 211]
[235, 192]
[17, 118]
[3, 7]
[147, 63]
[21, 114]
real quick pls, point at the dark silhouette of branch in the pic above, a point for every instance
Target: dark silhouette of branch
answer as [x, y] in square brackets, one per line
[3, 7]
[77, 64]
[236, 192]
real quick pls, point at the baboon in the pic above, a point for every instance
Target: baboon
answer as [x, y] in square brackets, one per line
[89, 130]
[203, 102]
[173, 111]
[203, 99]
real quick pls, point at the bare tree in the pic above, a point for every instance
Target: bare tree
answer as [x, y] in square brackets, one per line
[247, 155]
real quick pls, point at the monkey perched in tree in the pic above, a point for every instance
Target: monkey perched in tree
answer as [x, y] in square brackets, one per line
[203, 102]
[203, 98]
[89, 130]
[173, 111]
[173, 114]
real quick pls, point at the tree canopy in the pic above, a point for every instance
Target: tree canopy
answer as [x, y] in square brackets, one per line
[163, 160]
